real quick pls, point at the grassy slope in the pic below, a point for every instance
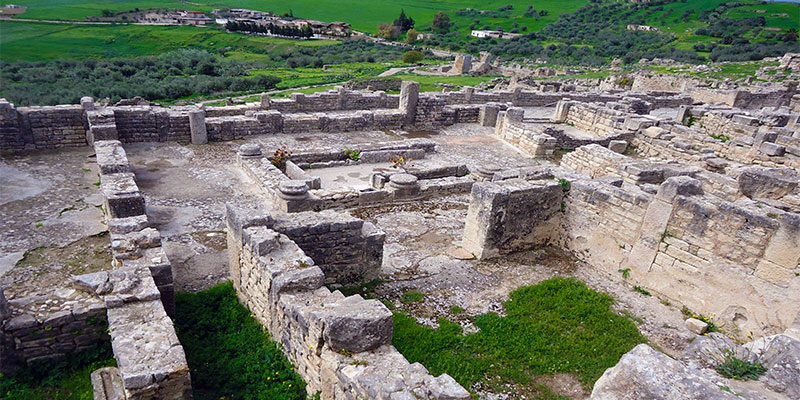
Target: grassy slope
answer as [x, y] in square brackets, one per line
[21, 41]
[364, 15]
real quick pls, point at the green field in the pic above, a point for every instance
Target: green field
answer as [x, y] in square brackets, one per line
[23, 41]
[364, 15]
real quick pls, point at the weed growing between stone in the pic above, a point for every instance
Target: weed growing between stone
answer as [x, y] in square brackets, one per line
[230, 355]
[556, 326]
[734, 368]
[63, 380]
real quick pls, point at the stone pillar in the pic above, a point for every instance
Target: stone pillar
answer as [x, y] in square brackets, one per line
[264, 101]
[463, 64]
[404, 186]
[468, 92]
[562, 111]
[197, 127]
[488, 114]
[409, 96]
[250, 150]
[87, 103]
[485, 172]
[294, 194]
[684, 113]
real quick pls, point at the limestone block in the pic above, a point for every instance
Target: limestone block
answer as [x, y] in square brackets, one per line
[197, 127]
[679, 186]
[696, 326]
[111, 157]
[409, 97]
[107, 384]
[357, 325]
[645, 373]
[618, 146]
[772, 183]
[488, 115]
[772, 149]
[403, 186]
[121, 196]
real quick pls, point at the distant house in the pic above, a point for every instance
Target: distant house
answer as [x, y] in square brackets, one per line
[192, 18]
[495, 34]
[647, 28]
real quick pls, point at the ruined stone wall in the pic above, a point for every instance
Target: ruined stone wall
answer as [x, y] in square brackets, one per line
[138, 293]
[10, 136]
[374, 84]
[52, 127]
[511, 215]
[511, 129]
[346, 249]
[341, 346]
[69, 323]
[733, 261]
[592, 117]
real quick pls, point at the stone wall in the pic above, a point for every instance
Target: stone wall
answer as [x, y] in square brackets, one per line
[133, 243]
[500, 215]
[735, 261]
[346, 249]
[138, 293]
[374, 84]
[341, 346]
[511, 129]
[52, 127]
[331, 111]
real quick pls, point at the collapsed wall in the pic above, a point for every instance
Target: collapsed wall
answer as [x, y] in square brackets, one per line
[340, 345]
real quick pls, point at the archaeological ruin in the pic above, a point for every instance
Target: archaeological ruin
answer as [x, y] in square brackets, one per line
[683, 190]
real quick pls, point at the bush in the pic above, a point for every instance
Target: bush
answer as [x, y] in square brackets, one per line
[413, 56]
[229, 352]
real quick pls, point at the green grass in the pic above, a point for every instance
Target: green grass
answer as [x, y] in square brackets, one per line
[363, 15]
[427, 83]
[556, 326]
[230, 354]
[25, 41]
[66, 380]
[412, 296]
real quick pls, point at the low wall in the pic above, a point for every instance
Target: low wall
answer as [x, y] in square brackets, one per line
[511, 129]
[335, 110]
[138, 293]
[341, 346]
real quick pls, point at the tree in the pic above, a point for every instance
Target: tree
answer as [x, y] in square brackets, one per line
[441, 22]
[412, 36]
[389, 32]
[413, 56]
[405, 23]
[790, 36]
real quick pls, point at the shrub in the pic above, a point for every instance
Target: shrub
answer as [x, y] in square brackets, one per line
[413, 56]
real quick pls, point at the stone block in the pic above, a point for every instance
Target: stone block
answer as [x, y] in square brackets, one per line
[618, 146]
[772, 149]
[197, 127]
[772, 183]
[107, 384]
[121, 196]
[696, 326]
[679, 186]
[357, 325]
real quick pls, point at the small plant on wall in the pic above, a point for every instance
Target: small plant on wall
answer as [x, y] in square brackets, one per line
[351, 154]
[280, 157]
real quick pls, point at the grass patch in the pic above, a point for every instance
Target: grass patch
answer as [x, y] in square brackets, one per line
[556, 326]
[412, 296]
[229, 353]
[641, 290]
[64, 380]
[734, 368]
